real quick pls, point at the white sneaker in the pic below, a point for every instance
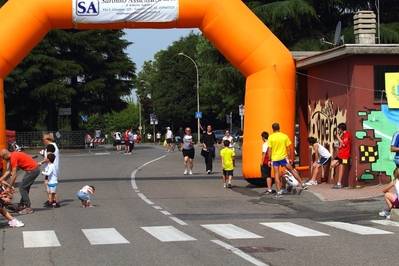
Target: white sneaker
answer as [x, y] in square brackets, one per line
[185, 172]
[16, 223]
[384, 213]
[311, 183]
[191, 172]
[224, 184]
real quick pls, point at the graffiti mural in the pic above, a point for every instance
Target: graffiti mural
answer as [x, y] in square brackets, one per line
[378, 127]
[324, 121]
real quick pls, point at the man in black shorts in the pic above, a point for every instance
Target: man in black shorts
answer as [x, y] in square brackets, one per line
[187, 147]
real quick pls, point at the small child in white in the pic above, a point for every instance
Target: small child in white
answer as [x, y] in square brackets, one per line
[85, 195]
[52, 184]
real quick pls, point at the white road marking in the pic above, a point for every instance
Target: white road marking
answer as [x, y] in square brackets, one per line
[167, 233]
[386, 222]
[36, 239]
[230, 231]
[357, 229]
[177, 220]
[294, 229]
[166, 212]
[157, 207]
[104, 236]
[141, 195]
[239, 253]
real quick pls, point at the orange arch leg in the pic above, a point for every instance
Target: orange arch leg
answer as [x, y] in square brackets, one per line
[246, 42]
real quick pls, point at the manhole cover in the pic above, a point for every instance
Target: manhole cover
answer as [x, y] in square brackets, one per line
[259, 249]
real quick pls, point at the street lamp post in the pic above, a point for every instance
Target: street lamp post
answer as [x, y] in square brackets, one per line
[153, 108]
[140, 127]
[198, 105]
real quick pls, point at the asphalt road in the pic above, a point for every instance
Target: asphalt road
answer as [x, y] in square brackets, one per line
[149, 213]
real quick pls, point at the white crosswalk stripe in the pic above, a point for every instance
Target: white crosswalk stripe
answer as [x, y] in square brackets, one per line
[230, 231]
[104, 236]
[294, 229]
[40, 239]
[386, 222]
[357, 229]
[108, 236]
[167, 233]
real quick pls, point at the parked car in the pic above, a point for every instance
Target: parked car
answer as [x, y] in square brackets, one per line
[219, 133]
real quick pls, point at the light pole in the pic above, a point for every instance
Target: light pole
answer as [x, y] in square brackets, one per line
[138, 99]
[198, 105]
[153, 108]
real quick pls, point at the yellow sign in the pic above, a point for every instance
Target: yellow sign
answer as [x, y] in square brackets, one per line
[392, 89]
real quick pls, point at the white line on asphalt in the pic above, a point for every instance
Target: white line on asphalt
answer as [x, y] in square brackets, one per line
[230, 231]
[167, 233]
[133, 175]
[141, 195]
[239, 253]
[386, 222]
[104, 236]
[357, 229]
[36, 239]
[177, 220]
[294, 229]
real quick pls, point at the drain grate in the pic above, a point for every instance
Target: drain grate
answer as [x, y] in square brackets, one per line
[259, 249]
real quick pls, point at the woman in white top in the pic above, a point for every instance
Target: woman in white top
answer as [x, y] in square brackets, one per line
[391, 198]
[229, 138]
[322, 157]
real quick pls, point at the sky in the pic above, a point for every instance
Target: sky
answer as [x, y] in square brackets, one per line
[147, 42]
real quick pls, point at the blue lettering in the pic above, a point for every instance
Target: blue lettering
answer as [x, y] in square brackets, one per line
[88, 9]
[92, 8]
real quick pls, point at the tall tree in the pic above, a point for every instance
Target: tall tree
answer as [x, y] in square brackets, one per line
[87, 71]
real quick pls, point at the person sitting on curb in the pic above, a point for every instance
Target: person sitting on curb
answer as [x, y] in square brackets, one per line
[390, 198]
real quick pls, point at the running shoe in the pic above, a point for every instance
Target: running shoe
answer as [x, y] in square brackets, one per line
[229, 185]
[279, 194]
[304, 186]
[26, 211]
[311, 183]
[48, 205]
[185, 172]
[190, 173]
[16, 223]
[336, 186]
[57, 205]
[384, 213]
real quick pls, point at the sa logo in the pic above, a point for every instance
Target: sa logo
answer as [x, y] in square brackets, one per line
[87, 8]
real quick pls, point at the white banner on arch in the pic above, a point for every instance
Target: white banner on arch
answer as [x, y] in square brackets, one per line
[113, 11]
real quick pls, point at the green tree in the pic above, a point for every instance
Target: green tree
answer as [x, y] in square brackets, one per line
[85, 70]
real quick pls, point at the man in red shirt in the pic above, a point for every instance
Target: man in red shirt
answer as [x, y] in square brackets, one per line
[26, 163]
[344, 144]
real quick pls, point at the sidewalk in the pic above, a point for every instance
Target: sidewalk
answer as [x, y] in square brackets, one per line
[325, 192]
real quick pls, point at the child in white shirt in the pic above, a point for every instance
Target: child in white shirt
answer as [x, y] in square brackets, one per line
[52, 184]
[85, 196]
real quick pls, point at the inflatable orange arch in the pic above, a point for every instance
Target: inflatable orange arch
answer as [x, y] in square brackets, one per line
[229, 24]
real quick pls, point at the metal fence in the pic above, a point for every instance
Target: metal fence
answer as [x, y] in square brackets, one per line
[63, 139]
